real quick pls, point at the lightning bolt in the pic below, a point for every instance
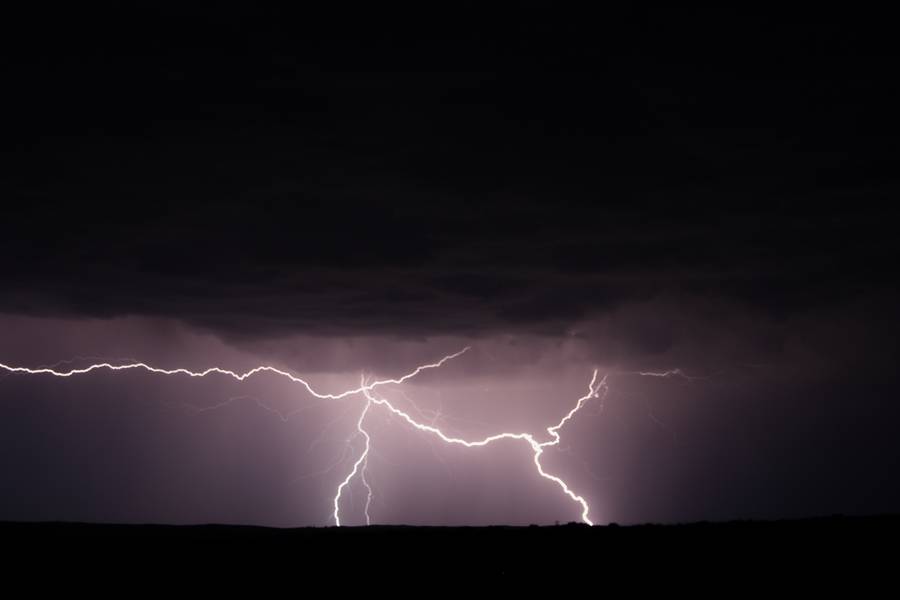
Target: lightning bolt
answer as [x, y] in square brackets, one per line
[537, 447]
[666, 374]
[595, 387]
[360, 462]
[233, 374]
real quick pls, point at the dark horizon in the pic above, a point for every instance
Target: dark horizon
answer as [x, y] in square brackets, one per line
[811, 554]
[703, 194]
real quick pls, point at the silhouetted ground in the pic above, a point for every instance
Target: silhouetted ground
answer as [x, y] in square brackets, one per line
[853, 555]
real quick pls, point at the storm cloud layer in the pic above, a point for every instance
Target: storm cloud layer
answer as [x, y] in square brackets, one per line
[243, 175]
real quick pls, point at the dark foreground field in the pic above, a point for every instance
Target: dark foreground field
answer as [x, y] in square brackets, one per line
[854, 555]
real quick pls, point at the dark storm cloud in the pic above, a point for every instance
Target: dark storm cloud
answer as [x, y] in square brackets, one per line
[340, 275]
[258, 179]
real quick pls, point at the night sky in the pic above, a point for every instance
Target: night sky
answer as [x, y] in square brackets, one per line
[337, 196]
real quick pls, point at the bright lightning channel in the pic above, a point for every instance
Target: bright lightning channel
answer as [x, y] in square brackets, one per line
[595, 388]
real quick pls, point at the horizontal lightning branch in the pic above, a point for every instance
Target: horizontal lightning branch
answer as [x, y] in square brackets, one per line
[666, 374]
[232, 374]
